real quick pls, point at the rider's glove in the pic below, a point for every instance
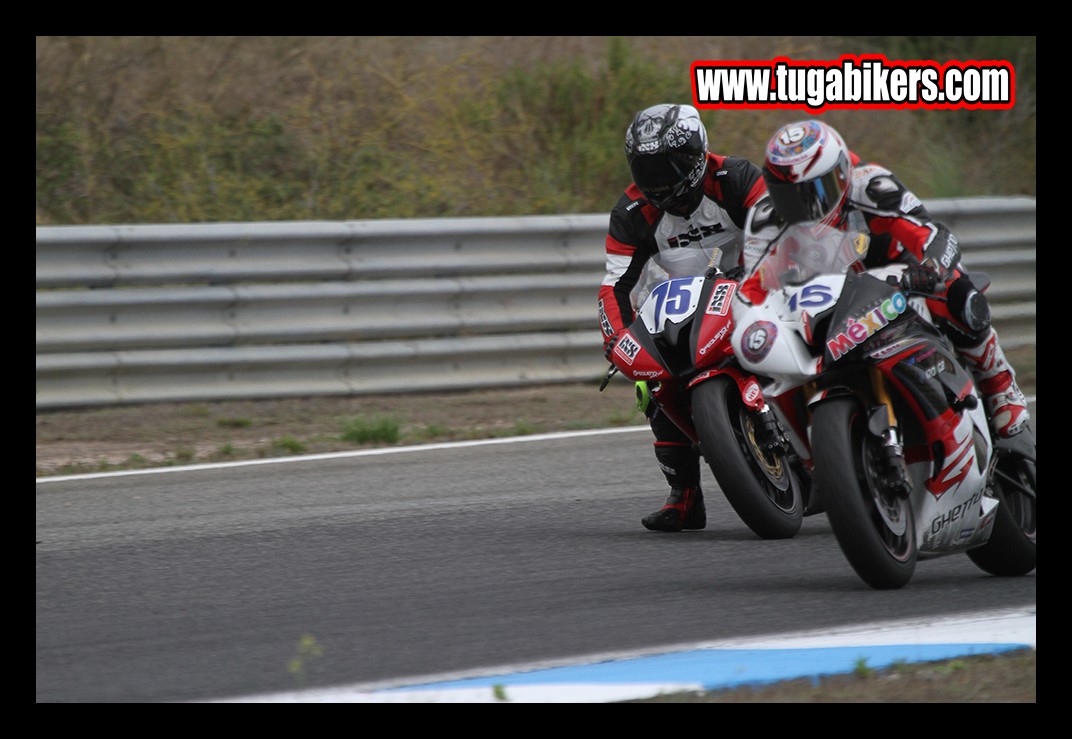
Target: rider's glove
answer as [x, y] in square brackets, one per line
[735, 274]
[919, 278]
[609, 342]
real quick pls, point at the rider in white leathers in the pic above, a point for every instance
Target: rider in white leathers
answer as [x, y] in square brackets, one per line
[812, 176]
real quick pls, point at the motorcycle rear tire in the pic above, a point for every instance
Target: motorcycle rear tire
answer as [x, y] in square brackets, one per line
[762, 489]
[1010, 551]
[848, 463]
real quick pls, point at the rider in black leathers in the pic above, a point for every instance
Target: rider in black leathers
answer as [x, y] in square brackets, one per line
[685, 211]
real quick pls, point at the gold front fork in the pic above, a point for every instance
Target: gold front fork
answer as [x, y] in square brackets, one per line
[878, 382]
[897, 479]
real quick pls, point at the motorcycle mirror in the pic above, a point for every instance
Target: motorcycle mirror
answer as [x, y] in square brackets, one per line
[606, 380]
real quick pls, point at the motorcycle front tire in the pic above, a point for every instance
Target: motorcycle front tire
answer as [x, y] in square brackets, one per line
[875, 529]
[761, 488]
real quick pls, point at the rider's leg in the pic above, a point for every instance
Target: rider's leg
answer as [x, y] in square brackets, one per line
[1005, 403]
[977, 341]
[680, 463]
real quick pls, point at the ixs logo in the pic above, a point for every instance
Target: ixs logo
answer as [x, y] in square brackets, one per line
[604, 322]
[694, 235]
[720, 299]
[626, 348]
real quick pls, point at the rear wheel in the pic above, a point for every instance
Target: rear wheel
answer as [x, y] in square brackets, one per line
[874, 528]
[760, 486]
[1010, 551]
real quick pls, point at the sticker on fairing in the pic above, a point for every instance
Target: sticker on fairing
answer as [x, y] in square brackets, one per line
[626, 348]
[859, 329]
[751, 392]
[671, 301]
[720, 299]
[758, 340]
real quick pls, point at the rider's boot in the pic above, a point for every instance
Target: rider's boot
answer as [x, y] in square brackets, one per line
[684, 508]
[1006, 406]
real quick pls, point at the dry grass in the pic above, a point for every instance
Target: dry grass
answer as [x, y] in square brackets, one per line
[223, 128]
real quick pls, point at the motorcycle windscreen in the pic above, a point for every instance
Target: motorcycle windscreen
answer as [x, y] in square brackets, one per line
[804, 251]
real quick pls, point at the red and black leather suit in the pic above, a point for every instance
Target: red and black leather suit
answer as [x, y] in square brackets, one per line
[682, 246]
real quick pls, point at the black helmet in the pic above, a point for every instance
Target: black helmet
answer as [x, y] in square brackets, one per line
[666, 146]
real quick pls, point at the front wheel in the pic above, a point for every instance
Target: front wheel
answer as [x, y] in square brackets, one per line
[760, 486]
[875, 529]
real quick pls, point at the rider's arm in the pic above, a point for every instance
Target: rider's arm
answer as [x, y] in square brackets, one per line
[625, 260]
[891, 209]
[930, 244]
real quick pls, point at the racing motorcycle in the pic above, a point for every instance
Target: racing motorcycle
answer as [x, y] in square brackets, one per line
[878, 405]
[677, 350]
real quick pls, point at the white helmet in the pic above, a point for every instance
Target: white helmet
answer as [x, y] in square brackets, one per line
[807, 170]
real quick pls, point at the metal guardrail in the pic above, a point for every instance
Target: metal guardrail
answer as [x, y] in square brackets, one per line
[142, 313]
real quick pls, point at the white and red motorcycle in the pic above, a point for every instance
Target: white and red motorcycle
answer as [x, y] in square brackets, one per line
[678, 351]
[876, 402]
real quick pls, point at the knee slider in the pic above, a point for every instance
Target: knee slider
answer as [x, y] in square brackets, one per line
[969, 306]
[644, 402]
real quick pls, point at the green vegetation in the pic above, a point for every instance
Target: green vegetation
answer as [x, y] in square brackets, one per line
[84, 440]
[861, 669]
[430, 432]
[184, 455]
[371, 430]
[524, 428]
[309, 650]
[146, 129]
[288, 445]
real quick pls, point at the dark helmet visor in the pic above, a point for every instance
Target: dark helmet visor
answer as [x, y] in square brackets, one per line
[662, 179]
[813, 200]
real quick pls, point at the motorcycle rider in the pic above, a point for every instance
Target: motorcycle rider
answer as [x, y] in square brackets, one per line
[811, 175]
[685, 212]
